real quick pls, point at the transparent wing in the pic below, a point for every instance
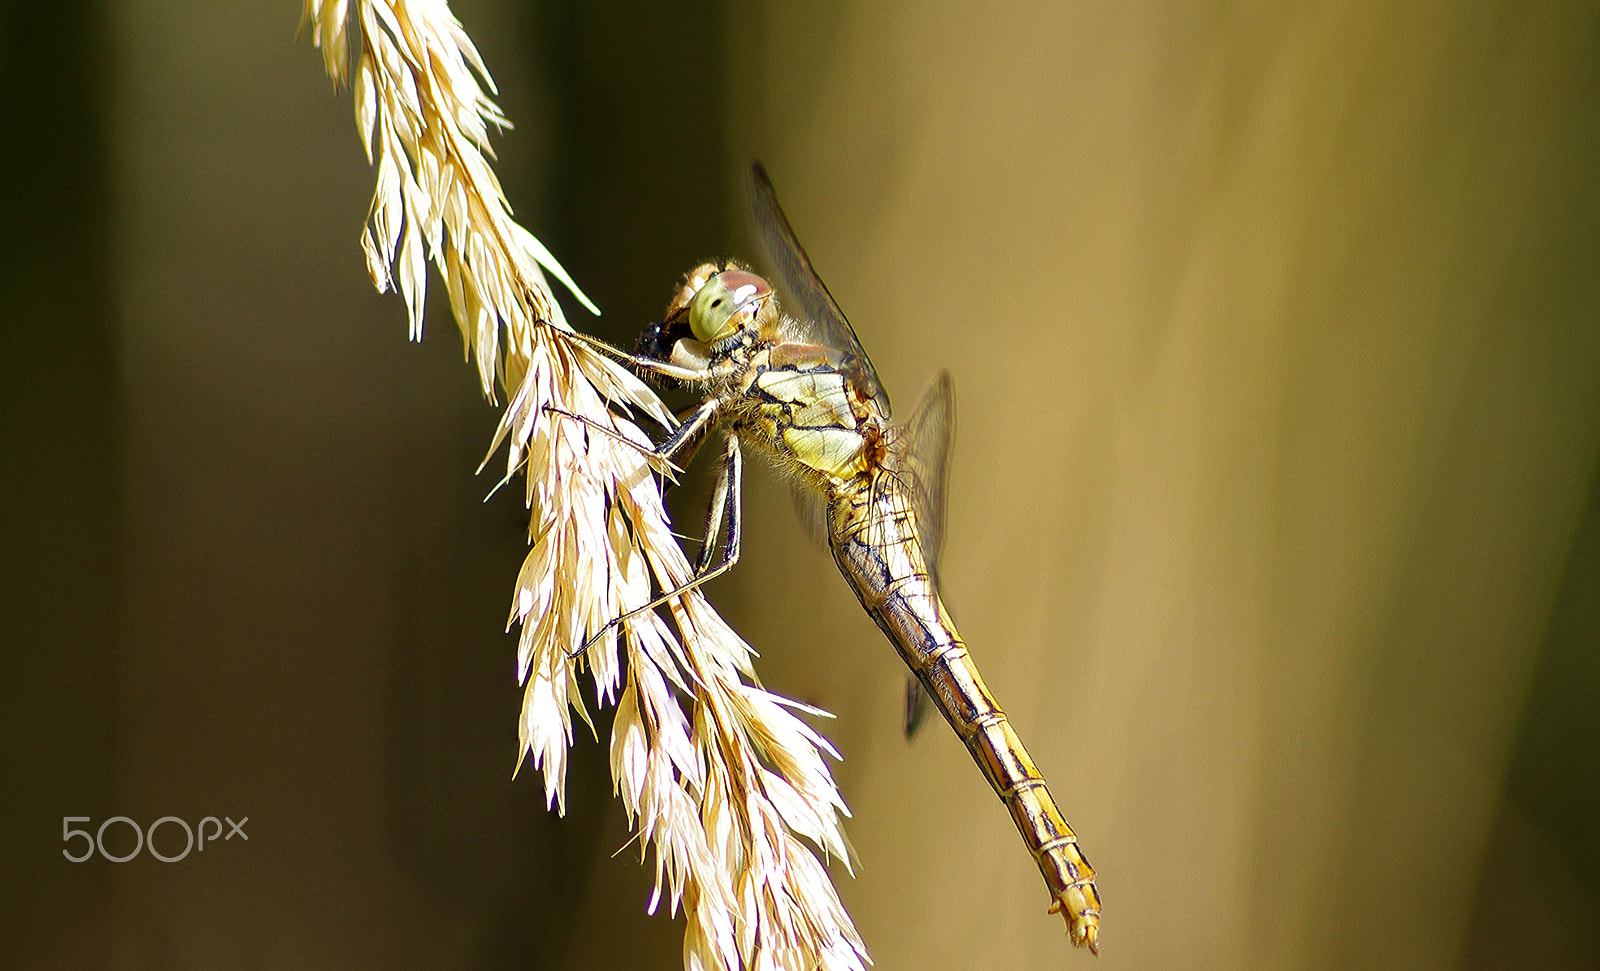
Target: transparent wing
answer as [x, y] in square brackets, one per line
[804, 293]
[922, 460]
[811, 508]
[922, 463]
[918, 701]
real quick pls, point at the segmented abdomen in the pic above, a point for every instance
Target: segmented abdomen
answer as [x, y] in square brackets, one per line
[874, 539]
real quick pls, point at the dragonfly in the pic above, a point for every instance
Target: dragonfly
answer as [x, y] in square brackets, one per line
[797, 386]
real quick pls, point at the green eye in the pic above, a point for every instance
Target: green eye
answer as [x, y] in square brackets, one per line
[727, 302]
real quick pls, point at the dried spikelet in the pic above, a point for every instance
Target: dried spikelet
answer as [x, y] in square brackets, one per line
[724, 783]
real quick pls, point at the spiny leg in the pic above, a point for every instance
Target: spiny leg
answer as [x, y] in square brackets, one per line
[664, 368]
[683, 444]
[728, 493]
[725, 498]
[677, 450]
[656, 457]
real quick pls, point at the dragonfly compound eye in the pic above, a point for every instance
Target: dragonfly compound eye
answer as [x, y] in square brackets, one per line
[728, 301]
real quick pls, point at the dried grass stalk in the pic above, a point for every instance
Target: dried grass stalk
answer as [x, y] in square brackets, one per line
[721, 778]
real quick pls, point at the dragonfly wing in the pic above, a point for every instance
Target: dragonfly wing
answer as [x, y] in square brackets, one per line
[922, 459]
[917, 702]
[922, 462]
[805, 294]
[811, 508]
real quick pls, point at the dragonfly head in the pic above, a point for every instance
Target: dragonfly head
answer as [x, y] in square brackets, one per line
[727, 303]
[657, 340]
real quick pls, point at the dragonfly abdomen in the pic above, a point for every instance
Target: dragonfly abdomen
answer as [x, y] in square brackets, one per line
[874, 541]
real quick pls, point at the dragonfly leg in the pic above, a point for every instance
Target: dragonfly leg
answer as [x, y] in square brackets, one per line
[684, 443]
[661, 463]
[664, 368]
[725, 499]
[679, 447]
[726, 496]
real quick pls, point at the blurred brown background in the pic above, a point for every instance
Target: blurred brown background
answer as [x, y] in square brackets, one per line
[1274, 519]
